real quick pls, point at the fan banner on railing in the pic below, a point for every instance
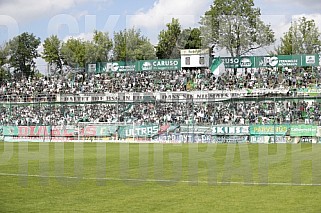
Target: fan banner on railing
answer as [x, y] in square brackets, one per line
[199, 138]
[303, 130]
[270, 129]
[191, 96]
[167, 132]
[123, 131]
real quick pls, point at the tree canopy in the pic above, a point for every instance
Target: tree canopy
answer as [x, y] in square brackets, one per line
[303, 37]
[235, 25]
[130, 45]
[168, 46]
[4, 71]
[190, 39]
[22, 52]
[73, 52]
[52, 51]
[102, 45]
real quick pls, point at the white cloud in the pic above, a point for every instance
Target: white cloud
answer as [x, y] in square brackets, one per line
[154, 19]
[279, 24]
[82, 36]
[163, 11]
[28, 10]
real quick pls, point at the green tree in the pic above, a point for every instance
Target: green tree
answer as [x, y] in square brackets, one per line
[168, 41]
[22, 51]
[52, 52]
[3, 55]
[103, 45]
[4, 71]
[235, 25]
[190, 39]
[91, 54]
[130, 45]
[303, 37]
[74, 53]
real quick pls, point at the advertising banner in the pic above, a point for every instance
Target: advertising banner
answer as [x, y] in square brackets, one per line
[303, 130]
[314, 92]
[162, 64]
[287, 61]
[135, 66]
[117, 66]
[271, 61]
[239, 62]
[269, 129]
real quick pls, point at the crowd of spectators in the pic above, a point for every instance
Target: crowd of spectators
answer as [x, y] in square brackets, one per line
[45, 88]
[215, 113]
[44, 111]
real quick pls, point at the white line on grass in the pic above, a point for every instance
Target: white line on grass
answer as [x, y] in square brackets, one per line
[161, 180]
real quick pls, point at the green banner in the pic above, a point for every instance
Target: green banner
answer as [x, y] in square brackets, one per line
[287, 61]
[268, 129]
[309, 91]
[117, 66]
[134, 66]
[131, 131]
[106, 130]
[239, 62]
[10, 130]
[303, 130]
[162, 64]
[271, 61]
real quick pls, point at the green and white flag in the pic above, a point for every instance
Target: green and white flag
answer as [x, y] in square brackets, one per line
[217, 66]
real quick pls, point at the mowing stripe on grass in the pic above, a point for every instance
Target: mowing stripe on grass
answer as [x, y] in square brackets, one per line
[159, 180]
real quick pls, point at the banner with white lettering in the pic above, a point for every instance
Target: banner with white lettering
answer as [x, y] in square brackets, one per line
[193, 96]
[276, 129]
[230, 130]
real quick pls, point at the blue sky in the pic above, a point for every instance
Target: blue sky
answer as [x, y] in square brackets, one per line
[109, 15]
[42, 17]
[47, 17]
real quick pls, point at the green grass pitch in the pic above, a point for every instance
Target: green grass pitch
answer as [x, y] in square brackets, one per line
[100, 177]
